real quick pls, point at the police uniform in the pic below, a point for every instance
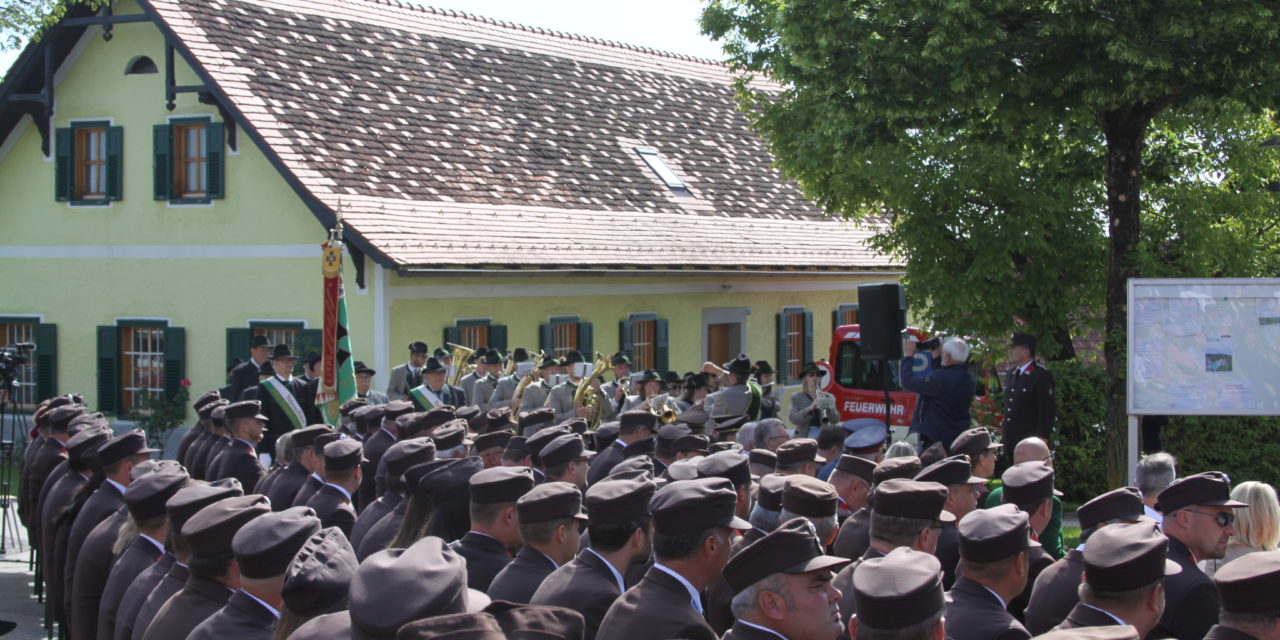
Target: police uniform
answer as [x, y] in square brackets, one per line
[145, 499]
[974, 612]
[1029, 402]
[663, 604]
[1055, 592]
[209, 533]
[589, 584]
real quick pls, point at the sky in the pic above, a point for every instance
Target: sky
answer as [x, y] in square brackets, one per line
[669, 25]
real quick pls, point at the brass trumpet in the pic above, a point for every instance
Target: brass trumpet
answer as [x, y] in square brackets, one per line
[664, 407]
[518, 394]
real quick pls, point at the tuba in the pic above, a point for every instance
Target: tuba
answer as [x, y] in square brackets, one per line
[458, 355]
[583, 396]
[518, 394]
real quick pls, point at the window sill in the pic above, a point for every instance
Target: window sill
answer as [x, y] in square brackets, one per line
[191, 202]
[89, 203]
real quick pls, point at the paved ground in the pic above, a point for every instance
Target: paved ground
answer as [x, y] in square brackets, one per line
[16, 600]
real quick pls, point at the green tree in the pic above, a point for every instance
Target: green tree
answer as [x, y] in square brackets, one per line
[24, 20]
[1046, 85]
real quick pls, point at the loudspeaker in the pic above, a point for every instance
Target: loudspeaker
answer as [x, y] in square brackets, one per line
[882, 316]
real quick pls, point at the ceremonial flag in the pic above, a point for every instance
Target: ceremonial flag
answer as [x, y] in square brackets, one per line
[338, 381]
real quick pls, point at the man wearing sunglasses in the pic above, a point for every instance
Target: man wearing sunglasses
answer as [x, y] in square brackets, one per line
[1199, 519]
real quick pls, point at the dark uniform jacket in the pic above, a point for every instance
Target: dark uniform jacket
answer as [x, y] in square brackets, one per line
[1028, 406]
[244, 376]
[717, 597]
[172, 582]
[195, 458]
[658, 607]
[486, 556]
[188, 439]
[602, 464]
[374, 448]
[1190, 599]
[54, 531]
[333, 507]
[948, 553]
[1038, 560]
[241, 462]
[1082, 615]
[854, 537]
[309, 488]
[38, 471]
[844, 582]
[278, 422]
[518, 581]
[140, 554]
[242, 618]
[383, 531]
[137, 593]
[287, 481]
[1223, 633]
[89, 559]
[198, 599]
[974, 613]
[584, 584]
[743, 632]
[1055, 593]
[372, 514]
[213, 455]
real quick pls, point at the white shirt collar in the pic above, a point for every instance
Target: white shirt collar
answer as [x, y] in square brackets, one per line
[756, 626]
[340, 489]
[486, 535]
[153, 541]
[247, 443]
[622, 586]
[1153, 514]
[550, 559]
[275, 612]
[1026, 367]
[119, 487]
[318, 478]
[1003, 604]
[1109, 614]
[286, 381]
[620, 443]
[694, 598]
[384, 430]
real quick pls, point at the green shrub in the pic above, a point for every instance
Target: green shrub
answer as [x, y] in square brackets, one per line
[1245, 447]
[1078, 437]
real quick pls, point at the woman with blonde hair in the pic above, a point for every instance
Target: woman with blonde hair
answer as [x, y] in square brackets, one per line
[1257, 528]
[812, 408]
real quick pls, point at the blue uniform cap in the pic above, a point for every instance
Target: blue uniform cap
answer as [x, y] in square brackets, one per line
[858, 424]
[868, 438]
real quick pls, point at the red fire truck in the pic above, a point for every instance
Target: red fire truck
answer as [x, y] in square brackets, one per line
[859, 385]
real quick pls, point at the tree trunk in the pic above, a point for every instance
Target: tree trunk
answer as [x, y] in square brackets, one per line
[1066, 347]
[1125, 130]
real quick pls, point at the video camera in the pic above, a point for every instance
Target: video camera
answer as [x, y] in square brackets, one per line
[13, 356]
[932, 344]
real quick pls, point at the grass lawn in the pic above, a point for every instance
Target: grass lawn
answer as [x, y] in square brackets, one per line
[1070, 538]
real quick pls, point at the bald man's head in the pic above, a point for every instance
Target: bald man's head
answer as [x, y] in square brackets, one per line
[1032, 450]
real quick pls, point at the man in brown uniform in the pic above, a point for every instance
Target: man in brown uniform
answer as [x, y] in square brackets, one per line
[1124, 570]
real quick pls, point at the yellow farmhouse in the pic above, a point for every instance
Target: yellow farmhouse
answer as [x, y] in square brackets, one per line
[169, 170]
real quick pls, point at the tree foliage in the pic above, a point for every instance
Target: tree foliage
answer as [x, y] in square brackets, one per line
[1018, 146]
[24, 20]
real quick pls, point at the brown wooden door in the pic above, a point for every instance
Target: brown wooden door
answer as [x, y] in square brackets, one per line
[718, 338]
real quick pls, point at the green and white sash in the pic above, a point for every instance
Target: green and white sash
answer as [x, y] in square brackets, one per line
[285, 400]
[426, 397]
[753, 406]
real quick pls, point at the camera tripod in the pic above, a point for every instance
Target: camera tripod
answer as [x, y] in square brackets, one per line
[9, 431]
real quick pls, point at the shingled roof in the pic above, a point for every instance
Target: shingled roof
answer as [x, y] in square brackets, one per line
[447, 140]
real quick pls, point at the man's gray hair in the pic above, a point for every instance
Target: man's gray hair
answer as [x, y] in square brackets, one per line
[459, 451]
[900, 449]
[956, 348]
[746, 601]
[824, 527]
[284, 447]
[1156, 472]
[765, 430]
[764, 519]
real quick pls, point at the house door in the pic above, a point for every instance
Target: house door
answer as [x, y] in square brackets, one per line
[718, 342]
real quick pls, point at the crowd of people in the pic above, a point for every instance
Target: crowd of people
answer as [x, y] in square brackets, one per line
[424, 515]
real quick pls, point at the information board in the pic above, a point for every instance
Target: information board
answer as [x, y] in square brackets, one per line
[1204, 347]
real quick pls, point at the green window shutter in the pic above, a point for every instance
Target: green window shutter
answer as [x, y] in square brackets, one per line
[175, 360]
[546, 339]
[625, 342]
[308, 340]
[835, 320]
[498, 337]
[215, 171]
[108, 370]
[783, 355]
[451, 334]
[660, 351]
[162, 162]
[808, 336]
[586, 340]
[46, 361]
[238, 341]
[115, 163]
[64, 168]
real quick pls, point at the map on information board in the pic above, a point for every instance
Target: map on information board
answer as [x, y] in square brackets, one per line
[1204, 346]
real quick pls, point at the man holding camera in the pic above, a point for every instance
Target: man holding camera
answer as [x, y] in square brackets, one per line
[944, 387]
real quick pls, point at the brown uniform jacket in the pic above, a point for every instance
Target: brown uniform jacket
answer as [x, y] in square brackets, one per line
[240, 461]
[584, 584]
[518, 581]
[91, 569]
[855, 536]
[374, 447]
[372, 514]
[137, 593]
[1038, 559]
[172, 582]
[198, 599]
[1190, 598]
[333, 508]
[309, 488]
[743, 632]
[1082, 615]
[974, 613]
[844, 582]
[285, 486]
[486, 556]
[54, 531]
[382, 532]
[658, 607]
[139, 555]
[1223, 633]
[242, 618]
[105, 501]
[197, 454]
[1055, 593]
[602, 464]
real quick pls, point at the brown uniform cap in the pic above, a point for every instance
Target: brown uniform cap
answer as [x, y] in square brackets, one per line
[303, 438]
[122, 446]
[550, 501]
[147, 495]
[243, 409]
[407, 453]
[911, 499]
[797, 451]
[637, 463]
[1124, 503]
[1122, 557]
[688, 506]
[500, 484]
[1211, 489]
[905, 467]
[449, 477]
[190, 499]
[1250, 585]
[730, 465]
[638, 418]
[698, 443]
[973, 443]
[860, 467]
[1028, 483]
[809, 497]
[605, 434]
[316, 580]
[83, 446]
[265, 545]
[394, 587]
[764, 457]
[991, 535]
[769, 494]
[950, 471]
[618, 500]
[342, 455]
[542, 438]
[452, 434]
[210, 530]
[564, 449]
[493, 440]
[791, 548]
[686, 469]
[396, 408]
[537, 418]
[897, 590]
[668, 434]
[59, 419]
